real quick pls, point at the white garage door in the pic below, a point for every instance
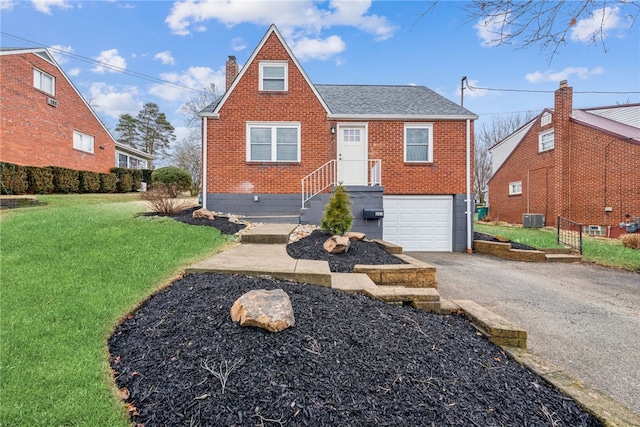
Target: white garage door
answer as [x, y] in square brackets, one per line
[419, 223]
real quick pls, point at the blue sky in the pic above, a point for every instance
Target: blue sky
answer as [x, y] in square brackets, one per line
[337, 42]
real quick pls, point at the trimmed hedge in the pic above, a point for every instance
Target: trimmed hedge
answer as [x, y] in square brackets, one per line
[13, 179]
[17, 179]
[172, 176]
[65, 180]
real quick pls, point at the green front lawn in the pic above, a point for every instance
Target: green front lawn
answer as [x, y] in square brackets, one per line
[69, 271]
[606, 252]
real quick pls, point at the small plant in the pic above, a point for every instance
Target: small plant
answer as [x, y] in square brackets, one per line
[631, 240]
[162, 201]
[337, 217]
[173, 178]
[223, 371]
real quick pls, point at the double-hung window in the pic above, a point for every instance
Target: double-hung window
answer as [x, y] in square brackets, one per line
[273, 142]
[418, 142]
[44, 82]
[515, 188]
[83, 142]
[546, 141]
[273, 76]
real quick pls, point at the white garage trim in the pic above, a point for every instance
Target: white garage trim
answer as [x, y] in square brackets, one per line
[419, 223]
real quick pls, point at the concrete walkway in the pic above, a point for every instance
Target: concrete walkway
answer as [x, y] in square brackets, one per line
[584, 318]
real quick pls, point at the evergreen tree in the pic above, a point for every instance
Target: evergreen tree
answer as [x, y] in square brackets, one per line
[337, 217]
[127, 130]
[156, 133]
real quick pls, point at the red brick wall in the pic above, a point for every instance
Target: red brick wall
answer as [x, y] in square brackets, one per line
[228, 171]
[596, 171]
[35, 134]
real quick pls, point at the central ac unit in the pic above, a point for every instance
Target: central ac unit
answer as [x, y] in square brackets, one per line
[533, 220]
[52, 102]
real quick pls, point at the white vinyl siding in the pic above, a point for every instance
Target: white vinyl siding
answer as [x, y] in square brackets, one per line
[273, 142]
[515, 188]
[44, 82]
[418, 143]
[274, 76]
[83, 142]
[546, 141]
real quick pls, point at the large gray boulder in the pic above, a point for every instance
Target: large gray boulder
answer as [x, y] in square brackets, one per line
[336, 244]
[270, 310]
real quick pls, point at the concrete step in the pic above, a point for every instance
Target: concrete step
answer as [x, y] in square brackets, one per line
[563, 258]
[273, 219]
[427, 299]
[499, 330]
[355, 283]
[269, 233]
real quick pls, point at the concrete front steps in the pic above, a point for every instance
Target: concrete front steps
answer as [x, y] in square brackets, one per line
[503, 250]
[561, 255]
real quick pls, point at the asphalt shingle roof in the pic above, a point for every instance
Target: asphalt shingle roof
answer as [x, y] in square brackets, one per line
[388, 100]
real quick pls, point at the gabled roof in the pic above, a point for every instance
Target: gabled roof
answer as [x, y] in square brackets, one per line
[362, 101]
[365, 101]
[622, 122]
[40, 51]
[501, 151]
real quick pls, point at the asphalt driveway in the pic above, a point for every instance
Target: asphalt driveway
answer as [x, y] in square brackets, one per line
[585, 318]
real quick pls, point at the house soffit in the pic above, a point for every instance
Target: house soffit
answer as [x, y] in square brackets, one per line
[272, 30]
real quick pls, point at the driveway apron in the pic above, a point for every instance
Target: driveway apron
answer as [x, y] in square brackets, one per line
[583, 317]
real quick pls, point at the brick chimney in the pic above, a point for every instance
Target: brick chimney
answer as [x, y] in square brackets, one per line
[232, 70]
[563, 107]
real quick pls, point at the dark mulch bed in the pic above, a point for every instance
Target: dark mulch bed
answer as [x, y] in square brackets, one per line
[490, 238]
[348, 361]
[221, 223]
[360, 252]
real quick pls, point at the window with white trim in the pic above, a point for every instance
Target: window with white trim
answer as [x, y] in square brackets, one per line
[418, 142]
[274, 76]
[83, 142]
[273, 142]
[515, 188]
[44, 82]
[546, 141]
[128, 161]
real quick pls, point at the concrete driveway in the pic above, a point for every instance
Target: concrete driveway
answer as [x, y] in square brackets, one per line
[583, 317]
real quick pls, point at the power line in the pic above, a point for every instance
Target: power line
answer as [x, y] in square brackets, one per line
[105, 65]
[472, 88]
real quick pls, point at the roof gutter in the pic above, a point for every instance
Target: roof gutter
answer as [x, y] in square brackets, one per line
[209, 115]
[400, 117]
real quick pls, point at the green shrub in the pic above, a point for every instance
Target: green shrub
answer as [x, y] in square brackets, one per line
[13, 179]
[89, 181]
[108, 182]
[40, 180]
[146, 175]
[172, 176]
[136, 177]
[65, 180]
[125, 182]
[337, 217]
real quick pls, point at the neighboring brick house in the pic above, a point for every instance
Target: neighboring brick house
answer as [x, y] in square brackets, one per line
[404, 150]
[44, 121]
[581, 164]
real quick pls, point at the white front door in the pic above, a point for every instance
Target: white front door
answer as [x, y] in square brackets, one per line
[352, 154]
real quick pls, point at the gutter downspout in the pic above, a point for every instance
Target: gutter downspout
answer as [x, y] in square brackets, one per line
[204, 163]
[468, 172]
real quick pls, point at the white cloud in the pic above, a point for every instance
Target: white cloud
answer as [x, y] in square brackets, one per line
[195, 78]
[238, 44]
[305, 48]
[113, 62]
[45, 6]
[583, 73]
[74, 72]
[6, 4]
[58, 50]
[605, 19]
[493, 29]
[165, 57]
[301, 22]
[112, 101]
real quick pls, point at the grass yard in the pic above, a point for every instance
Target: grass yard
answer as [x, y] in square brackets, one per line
[69, 271]
[602, 251]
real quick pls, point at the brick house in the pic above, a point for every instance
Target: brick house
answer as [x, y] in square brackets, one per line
[581, 164]
[275, 144]
[44, 121]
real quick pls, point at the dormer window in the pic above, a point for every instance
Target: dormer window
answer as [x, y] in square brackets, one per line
[273, 76]
[44, 82]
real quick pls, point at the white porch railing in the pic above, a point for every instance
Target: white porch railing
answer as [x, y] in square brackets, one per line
[327, 176]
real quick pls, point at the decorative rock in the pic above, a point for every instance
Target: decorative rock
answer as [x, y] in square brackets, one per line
[336, 244]
[270, 310]
[502, 239]
[203, 213]
[355, 235]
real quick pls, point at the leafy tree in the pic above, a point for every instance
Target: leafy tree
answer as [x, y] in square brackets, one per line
[197, 103]
[486, 136]
[156, 133]
[337, 217]
[127, 130]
